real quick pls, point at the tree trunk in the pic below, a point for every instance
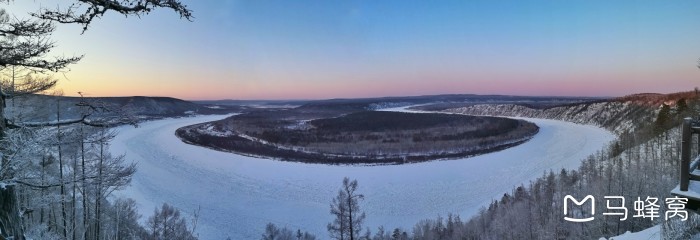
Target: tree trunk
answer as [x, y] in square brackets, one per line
[352, 237]
[43, 174]
[10, 221]
[86, 212]
[60, 166]
[98, 194]
[73, 215]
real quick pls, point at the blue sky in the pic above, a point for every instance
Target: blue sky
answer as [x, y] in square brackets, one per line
[326, 49]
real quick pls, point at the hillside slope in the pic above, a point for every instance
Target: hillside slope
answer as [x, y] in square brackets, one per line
[643, 161]
[34, 108]
[624, 114]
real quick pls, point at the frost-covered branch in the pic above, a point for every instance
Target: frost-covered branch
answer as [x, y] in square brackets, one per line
[85, 11]
[83, 120]
[39, 185]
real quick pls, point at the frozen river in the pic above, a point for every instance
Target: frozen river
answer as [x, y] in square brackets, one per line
[239, 195]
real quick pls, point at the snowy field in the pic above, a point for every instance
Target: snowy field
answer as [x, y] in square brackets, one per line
[238, 195]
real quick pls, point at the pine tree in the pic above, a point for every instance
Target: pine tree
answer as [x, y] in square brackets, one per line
[346, 209]
[663, 119]
[682, 105]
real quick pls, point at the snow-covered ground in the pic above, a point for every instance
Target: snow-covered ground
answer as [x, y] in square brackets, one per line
[238, 195]
[652, 233]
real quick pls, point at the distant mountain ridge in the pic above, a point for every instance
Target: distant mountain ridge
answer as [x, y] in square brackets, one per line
[44, 107]
[364, 103]
[615, 114]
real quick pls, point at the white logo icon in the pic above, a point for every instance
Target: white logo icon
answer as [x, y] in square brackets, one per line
[579, 203]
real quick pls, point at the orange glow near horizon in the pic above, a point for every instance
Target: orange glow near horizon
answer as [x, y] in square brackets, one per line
[190, 88]
[592, 49]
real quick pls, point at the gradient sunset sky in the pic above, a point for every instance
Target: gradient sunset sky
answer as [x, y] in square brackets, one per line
[260, 49]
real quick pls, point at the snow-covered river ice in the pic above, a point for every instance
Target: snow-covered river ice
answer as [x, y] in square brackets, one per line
[239, 195]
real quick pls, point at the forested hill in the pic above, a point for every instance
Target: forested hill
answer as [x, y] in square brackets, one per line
[623, 114]
[642, 162]
[43, 107]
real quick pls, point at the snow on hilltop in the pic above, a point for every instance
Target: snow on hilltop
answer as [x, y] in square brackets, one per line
[617, 115]
[614, 116]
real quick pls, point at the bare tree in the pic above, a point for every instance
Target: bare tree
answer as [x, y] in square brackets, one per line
[346, 209]
[272, 232]
[112, 174]
[126, 219]
[166, 223]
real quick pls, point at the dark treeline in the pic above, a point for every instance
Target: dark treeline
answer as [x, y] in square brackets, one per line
[252, 148]
[362, 137]
[382, 121]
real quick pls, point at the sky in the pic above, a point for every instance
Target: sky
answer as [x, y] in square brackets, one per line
[262, 49]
